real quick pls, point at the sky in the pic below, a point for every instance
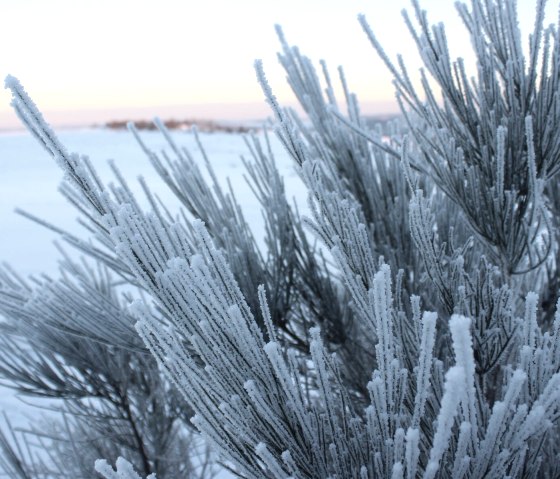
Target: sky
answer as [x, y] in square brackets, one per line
[87, 62]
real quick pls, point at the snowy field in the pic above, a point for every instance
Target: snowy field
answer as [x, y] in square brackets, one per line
[29, 180]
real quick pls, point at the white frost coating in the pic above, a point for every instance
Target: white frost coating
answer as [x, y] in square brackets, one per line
[550, 396]
[431, 470]
[462, 449]
[530, 326]
[265, 311]
[424, 366]
[454, 388]
[124, 470]
[197, 261]
[531, 163]
[289, 461]
[381, 302]
[464, 357]
[497, 421]
[398, 471]
[533, 422]
[270, 461]
[500, 162]
[412, 452]
[398, 446]
[11, 82]
[293, 393]
[103, 467]
[462, 341]
[32, 118]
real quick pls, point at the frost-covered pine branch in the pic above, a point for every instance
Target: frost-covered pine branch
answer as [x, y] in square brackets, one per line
[73, 341]
[490, 146]
[413, 342]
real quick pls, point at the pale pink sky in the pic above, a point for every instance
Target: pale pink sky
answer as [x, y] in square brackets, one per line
[90, 61]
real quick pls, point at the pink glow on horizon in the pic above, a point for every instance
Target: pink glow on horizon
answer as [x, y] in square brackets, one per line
[92, 62]
[227, 112]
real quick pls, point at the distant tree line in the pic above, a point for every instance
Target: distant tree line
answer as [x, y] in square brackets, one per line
[205, 126]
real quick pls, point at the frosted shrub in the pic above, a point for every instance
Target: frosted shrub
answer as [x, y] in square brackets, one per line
[422, 338]
[106, 380]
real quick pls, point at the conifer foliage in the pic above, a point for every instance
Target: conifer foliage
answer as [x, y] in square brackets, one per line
[420, 339]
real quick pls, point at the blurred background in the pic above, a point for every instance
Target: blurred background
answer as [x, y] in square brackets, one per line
[89, 62]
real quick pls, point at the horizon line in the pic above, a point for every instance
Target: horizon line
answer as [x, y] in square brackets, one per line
[239, 112]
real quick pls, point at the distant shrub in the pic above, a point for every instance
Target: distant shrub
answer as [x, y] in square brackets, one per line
[208, 126]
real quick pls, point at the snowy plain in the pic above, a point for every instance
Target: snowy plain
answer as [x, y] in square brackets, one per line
[29, 180]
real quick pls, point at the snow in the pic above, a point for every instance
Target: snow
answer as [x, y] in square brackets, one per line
[30, 179]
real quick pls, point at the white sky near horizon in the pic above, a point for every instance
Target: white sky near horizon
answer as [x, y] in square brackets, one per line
[92, 61]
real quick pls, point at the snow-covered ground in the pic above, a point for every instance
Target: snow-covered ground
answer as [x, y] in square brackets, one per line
[29, 179]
